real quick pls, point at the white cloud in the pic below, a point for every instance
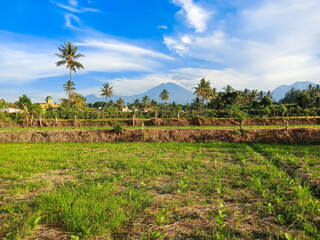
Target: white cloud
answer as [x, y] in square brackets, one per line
[274, 42]
[162, 27]
[73, 3]
[34, 59]
[72, 21]
[111, 45]
[185, 77]
[196, 16]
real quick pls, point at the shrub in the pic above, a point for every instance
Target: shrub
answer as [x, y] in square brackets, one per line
[117, 127]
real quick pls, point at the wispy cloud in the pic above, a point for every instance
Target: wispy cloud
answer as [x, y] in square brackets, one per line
[196, 16]
[73, 3]
[162, 27]
[72, 21]
[273, 42]
[73, 7]
[35, 59]
[112, 45]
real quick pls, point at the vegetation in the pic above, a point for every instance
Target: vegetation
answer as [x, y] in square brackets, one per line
[159, 190]
[164, 95]
[208, 104]
[106, 91]
[68, 55]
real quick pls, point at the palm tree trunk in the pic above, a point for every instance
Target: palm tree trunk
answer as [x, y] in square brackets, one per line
[70, 85]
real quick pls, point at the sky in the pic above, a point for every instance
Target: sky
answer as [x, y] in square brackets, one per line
[135, 45]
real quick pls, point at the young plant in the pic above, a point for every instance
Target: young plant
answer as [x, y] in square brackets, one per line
[162, 217]
[222, 212]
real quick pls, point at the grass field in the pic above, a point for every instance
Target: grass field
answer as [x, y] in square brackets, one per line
[159, 191]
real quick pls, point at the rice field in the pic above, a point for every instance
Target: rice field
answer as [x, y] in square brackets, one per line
[159, 191]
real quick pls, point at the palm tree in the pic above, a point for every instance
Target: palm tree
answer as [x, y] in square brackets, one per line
[69, 89]
[253, 96]
[228, 89]
[136, 103]
[68, 54]
[246, 97]
[120, 103]
[106, 91]
[164, 95]
[261, 94]
[78, 100]
[145, 101]
[203, 90]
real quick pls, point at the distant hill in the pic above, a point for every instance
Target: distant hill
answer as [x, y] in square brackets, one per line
[280, 92]
[177, 94]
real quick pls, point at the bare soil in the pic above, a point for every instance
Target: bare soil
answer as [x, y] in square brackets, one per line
[296, 135]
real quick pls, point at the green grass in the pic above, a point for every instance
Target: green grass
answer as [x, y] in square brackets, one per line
[158, 191]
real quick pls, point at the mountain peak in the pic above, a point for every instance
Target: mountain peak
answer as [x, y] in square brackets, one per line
[177, 94]
[280, 92]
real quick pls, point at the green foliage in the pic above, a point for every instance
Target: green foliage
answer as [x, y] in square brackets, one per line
[2, 103]
[162, 217]
[106, 91]
[24, 100]
[117, 127]
[266, 101]
[35, 222]
[164, 95]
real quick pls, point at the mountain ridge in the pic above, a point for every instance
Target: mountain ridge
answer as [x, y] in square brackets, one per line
[177, 94]
[279, 92]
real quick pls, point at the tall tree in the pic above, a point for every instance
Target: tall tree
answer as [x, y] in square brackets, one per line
[106, 91]
[69, 89]
[24, 100]
[136, 103]
[68, 54]
[203, 90]
[120, 103]
[164, 95]
[145, 101]
[228, 89]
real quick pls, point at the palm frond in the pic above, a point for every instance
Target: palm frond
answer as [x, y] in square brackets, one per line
[60, 63]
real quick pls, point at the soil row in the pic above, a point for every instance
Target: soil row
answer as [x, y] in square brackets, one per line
[296, 135]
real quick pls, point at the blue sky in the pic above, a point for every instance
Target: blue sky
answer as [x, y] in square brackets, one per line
[136, 45]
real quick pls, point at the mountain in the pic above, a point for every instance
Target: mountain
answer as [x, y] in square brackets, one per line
[280, 92]
[177, 94]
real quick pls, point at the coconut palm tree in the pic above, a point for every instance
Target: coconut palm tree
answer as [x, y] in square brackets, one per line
[228, 89]
[246, 96]
[136, 103]
[145, 101]
[120, 103]
[203, 90]
[261, 94]
[68, 54]
[106, 91]
[164, 95]
[253, 96]
[69, 89]
[269, 94]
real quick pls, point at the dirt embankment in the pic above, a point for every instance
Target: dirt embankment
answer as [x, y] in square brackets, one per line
[298, 135]
[173, 122]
